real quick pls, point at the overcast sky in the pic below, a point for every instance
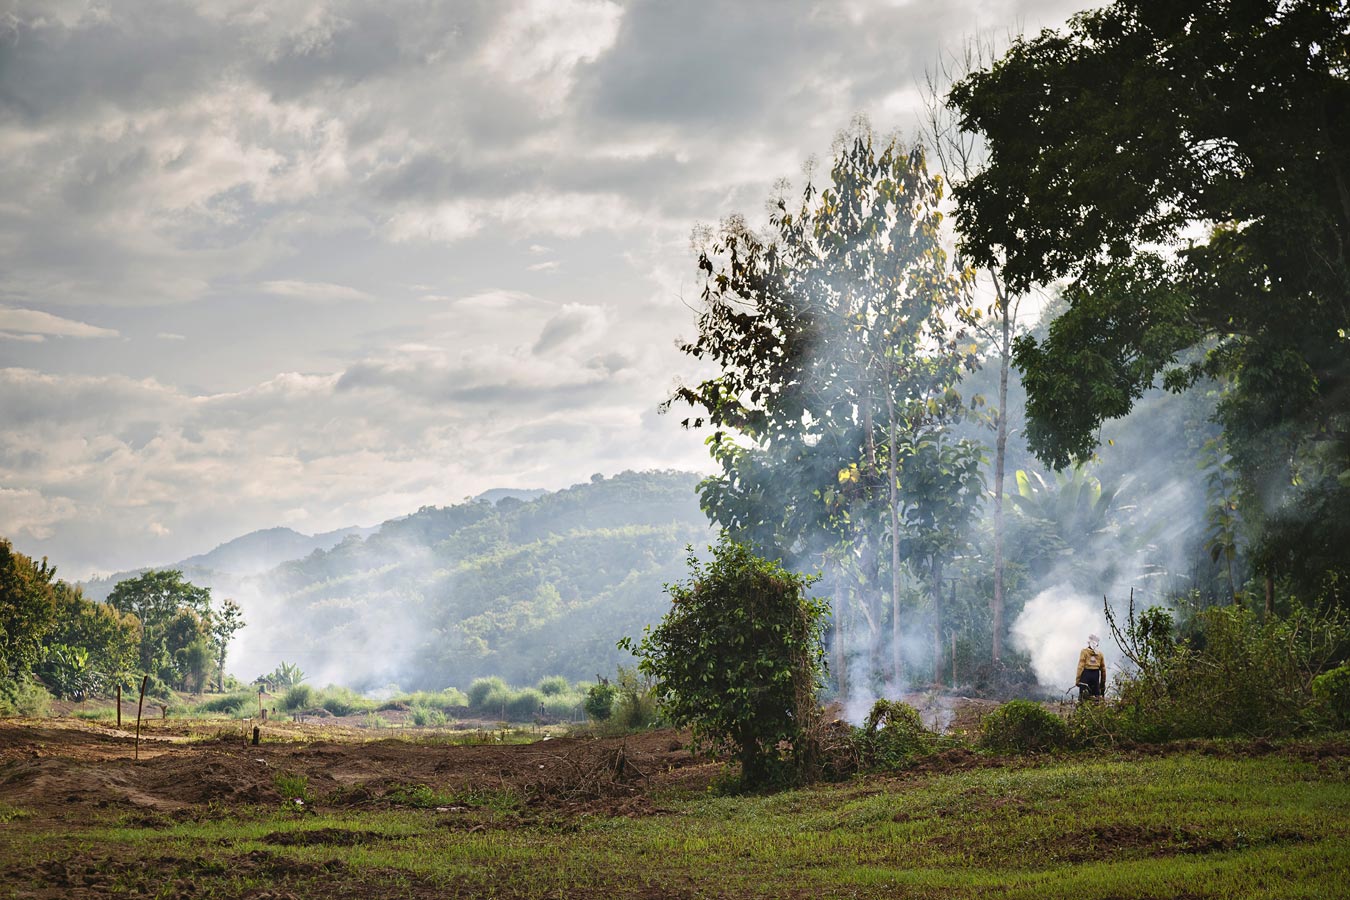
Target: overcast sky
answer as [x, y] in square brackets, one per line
[316, 264]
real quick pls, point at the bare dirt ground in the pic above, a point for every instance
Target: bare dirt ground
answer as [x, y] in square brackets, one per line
[52, 768]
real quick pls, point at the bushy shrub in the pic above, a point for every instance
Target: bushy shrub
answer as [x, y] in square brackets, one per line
[450, 698]
[739, 657]
[423, 716]
[301, 696]
[231, 704]
[485, 692]
[1233, 676]
[446, 700]
[599, 701]
[553, 685]
[23, 696]
[561, 706]
[523, 705]
[1331, 697]
[1020, 726]
[342, 701]
[892, 734]
[635, 703]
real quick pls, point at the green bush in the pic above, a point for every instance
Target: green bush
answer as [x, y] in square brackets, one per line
[635, 705]
[553, 685]
[231, 704]
[523, 705]
[1331, 697]
[445, 701]
[739, 658]
[1232, 676]
[299, 697]
[341, 701]
[1020, 726]
[892, 734]
[23, 696]
[561, 706]
[485, 692]
[599, 703]
[424, 716]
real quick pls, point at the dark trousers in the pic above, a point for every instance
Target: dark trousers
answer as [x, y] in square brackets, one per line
[1093, 679]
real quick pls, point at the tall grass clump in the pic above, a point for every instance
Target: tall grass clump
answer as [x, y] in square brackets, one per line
[635, 702]
[553, 686]
[524, 705]
[445, 700]
[341, 701]
[486, 692]
[428, 716]
[299, 697]
[236, 704]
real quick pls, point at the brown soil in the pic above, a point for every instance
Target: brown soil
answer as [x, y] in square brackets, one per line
[52, 768]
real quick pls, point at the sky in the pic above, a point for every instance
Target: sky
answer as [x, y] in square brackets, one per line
[319, 264]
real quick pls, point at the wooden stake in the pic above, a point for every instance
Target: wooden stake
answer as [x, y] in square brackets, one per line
[119, 707]
[140, 704]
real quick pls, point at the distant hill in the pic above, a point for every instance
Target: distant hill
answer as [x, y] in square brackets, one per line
[259, 551]
[496, 494]
[518, 584]
[250, 554]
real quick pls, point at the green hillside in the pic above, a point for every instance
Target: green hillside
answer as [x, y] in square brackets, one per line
[518, 589]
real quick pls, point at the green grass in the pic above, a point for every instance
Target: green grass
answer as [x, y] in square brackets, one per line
[1188, 824]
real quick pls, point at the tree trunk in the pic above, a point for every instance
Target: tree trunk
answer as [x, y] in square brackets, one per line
[1000, 460]
[937, 623]
[840, 635]
[892, 477]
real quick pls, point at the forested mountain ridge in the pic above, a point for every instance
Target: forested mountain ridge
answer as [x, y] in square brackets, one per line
[516, 588]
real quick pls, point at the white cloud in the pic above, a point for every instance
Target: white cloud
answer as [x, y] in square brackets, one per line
[24, 511]
[37, 323]
[556, 214]
[314, 291]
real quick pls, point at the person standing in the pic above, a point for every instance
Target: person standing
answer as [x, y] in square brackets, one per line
[1092, 669]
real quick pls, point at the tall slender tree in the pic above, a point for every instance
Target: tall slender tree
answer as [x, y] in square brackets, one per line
[838, 336]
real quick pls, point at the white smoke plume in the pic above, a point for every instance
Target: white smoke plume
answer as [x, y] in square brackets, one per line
[1053, 627]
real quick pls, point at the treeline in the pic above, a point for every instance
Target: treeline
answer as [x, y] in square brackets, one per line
[54, 641]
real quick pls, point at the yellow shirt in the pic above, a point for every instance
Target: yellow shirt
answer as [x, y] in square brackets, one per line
[1090, 659]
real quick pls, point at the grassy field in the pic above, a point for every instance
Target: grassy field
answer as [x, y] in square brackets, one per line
[1196, 823]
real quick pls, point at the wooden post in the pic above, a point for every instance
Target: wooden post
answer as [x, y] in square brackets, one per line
[140, 704]
[257, 735]
[119, 707]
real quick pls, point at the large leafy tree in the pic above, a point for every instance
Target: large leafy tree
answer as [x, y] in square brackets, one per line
[27, 610]
[838, 339]
[1186, 167]
[175, 623]
[92, 646]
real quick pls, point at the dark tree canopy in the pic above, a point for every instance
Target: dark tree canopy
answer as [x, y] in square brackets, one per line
[1186, 166]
